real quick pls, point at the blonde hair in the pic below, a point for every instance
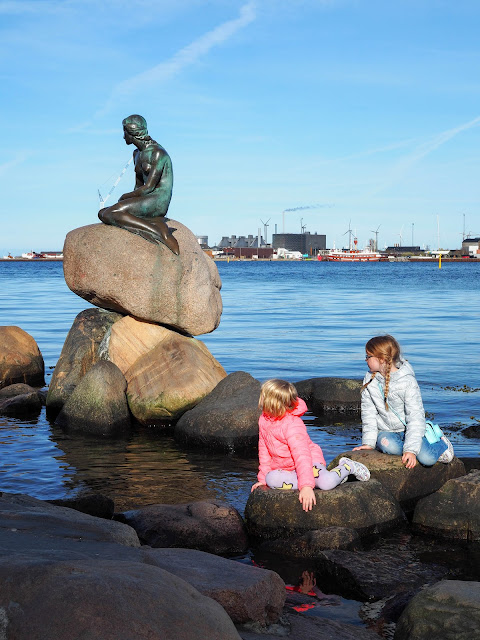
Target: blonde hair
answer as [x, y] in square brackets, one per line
[384, 348]
[277, 397]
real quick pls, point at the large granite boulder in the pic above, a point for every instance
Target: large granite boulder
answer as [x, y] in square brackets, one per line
[331, 395]
[226, 419]
[449, 610]
[20, 358]
[367, 507]
[207, 525]
[115, 269]
[248, 594]
[79, 353]
[98, 405]
[406, 485]
[453, 511]
[167, 373]
[79, 598]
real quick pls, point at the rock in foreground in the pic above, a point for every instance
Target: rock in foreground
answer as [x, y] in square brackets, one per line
[115, 269]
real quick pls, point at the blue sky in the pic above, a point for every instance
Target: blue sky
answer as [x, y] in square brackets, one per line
[369, 109]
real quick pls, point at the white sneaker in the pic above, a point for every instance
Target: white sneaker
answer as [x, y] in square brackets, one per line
[447, 456]
[358, 469]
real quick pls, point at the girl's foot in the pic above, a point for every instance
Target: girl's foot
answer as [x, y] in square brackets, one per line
[447, 455]
[358, 469]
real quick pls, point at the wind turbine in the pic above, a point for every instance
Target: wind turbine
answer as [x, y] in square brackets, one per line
[350, 234]
[376, 236]
[400, 235]
[265, 227]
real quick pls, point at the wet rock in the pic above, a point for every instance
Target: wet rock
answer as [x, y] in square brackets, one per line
[18, 389]
[473, 431]
[20, 358]
[247, 593]
[372, 575]
[22, 513]
[98, 405]
[208, 525]
[79, 353]
[95, 504]
[406, 485]
[367, 507]
[167, 373]
[24, 404]
[118, 270]
[470, 464]
[309, 544]
[453, 511]
[449, 610]
[331, 395]
[226, 419]
[103, 600]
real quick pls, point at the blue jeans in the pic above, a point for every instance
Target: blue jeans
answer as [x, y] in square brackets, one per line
[392, 443]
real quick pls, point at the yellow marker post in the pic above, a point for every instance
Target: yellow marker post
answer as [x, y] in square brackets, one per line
[439, 260]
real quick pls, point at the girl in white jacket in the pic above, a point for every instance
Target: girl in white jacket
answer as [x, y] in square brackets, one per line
[393, 418]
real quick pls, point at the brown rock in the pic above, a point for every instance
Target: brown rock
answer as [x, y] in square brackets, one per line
[308, 545]
[20, 358]
[118, 270]
[17, 389]
[98, 405]
[247, 593]
[367, 507]
[406, 485]
[167, 373]
[80, 352]
[453, 511]
[208, 525]
[23, 404]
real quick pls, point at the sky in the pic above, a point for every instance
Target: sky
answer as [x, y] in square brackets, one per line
[365, 111]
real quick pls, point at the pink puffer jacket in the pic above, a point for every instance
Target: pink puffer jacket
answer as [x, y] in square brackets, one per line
[285, 444]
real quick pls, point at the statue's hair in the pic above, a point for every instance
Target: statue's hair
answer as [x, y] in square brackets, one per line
[385, 348]
[136, 126]
[277, 397]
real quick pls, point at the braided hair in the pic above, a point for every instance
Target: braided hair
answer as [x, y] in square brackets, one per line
[384, 348]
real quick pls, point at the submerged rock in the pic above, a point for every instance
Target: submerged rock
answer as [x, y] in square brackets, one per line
[24, 404]
[453, 511]
[209, 525]
[98, 405]
[367, 507]
[226, 419]
[20, 358]
[118, 270]
[331, 395]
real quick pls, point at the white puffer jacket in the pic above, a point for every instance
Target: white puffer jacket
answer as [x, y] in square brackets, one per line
[404, 399]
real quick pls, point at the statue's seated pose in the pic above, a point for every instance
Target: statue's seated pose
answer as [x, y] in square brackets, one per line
[143, 210]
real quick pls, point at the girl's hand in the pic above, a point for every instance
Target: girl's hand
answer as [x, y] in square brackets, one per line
[409, 459]
[307, 498]
[362, 446]
[257, 484]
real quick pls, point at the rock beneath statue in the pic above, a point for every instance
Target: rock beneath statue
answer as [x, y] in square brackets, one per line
[79, 353]
[406, 485]
[449, 610]
[167, 373]
[118, 270]
[453, 511]
[367, 507]
[227, 419]
[98, 405]
[309, 544]
[208, 525]
[20, 358]
[331, 395]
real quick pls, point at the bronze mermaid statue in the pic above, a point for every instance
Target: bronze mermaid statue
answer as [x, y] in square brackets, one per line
[143, 210]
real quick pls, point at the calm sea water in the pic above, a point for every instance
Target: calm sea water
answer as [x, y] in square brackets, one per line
[292, 320]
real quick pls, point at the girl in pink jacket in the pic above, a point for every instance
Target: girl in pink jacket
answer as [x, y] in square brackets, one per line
[288, 457]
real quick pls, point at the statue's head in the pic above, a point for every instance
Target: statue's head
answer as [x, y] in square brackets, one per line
[136, 127]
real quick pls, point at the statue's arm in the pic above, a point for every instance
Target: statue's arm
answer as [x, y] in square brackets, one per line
[157, 163]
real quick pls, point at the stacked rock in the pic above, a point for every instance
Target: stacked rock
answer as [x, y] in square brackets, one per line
[136, 353]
